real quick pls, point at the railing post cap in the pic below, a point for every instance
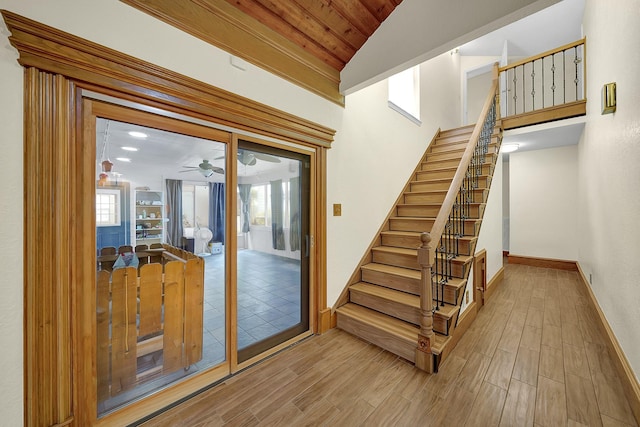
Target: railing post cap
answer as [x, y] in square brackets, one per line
[425, 238]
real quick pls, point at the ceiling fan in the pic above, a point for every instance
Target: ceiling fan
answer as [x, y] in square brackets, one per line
[205, 168]
[250, 158]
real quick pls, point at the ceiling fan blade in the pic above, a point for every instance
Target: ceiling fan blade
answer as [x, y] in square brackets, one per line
[217, 170]
[266, 157]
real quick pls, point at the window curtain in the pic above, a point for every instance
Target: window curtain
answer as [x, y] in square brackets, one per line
[216, 210]
[245, 193]
[174, 212]
[294, 213]
[277, 216]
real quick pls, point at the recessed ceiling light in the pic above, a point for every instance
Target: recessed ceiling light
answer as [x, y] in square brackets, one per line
[138, 134]
[129, 148]
[123, 159]
[510, 148]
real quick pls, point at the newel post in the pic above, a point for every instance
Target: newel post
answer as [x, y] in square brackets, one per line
[424, 357]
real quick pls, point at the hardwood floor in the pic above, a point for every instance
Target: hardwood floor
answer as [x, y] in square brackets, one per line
[534, 356]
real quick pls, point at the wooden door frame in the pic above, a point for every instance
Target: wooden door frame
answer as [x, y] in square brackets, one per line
[58, 67]
[480, 277]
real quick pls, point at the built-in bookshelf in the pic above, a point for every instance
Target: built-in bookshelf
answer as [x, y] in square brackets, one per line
[149, 217]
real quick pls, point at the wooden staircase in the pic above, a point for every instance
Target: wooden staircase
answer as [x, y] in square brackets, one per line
[382, 303]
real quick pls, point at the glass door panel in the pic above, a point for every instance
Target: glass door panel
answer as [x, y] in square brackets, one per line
[160, 274]
[273, 251]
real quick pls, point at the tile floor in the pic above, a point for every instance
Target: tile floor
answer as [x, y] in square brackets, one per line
[268, 300]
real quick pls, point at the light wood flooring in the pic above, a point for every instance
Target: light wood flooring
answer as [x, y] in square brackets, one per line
[533, 356]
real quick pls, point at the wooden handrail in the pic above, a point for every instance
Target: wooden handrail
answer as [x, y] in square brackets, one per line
[456, 183]
[542, 55]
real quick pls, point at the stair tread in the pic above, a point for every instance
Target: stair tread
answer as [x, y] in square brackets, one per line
[404, 330]
[428, 218]
[391, 269]
[419, 233]
[432, 204]
[393, 249]
[403, 298]
[460, 259]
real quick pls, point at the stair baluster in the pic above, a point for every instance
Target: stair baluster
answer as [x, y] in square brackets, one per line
[454, 228]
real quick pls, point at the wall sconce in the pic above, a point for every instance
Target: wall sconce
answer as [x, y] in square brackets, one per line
[608, 98]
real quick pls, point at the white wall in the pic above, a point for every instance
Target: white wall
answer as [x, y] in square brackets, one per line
[608, 200]
[374, 151]
[543, 203]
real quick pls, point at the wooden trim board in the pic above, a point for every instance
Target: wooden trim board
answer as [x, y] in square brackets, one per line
[625, 372]
[542, 262]
[247, 38]
[492, 284]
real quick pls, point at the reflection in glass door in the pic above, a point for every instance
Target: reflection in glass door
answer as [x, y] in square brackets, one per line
[160, 274]
[273, 247]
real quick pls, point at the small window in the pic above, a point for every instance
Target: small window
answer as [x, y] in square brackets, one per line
[404, 93]
[107, 208]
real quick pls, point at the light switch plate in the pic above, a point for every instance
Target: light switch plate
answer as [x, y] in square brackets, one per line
[337, 209]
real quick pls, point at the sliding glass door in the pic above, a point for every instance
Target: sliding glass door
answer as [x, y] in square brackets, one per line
[273, 247]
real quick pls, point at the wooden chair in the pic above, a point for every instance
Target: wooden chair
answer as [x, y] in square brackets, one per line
[142, 259]
[107, 265]
[125, 248]
[156, 258]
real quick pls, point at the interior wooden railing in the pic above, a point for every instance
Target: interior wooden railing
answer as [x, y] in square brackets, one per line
[545, 87]
[427, 254]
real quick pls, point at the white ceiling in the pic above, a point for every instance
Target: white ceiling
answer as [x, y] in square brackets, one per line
[547, 29]
[546, 135]
[163, 155]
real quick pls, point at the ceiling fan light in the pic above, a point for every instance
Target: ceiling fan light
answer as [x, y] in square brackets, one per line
[206, 172]
[510, 148]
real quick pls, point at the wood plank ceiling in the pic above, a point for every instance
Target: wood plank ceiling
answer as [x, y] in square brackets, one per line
[305, 41]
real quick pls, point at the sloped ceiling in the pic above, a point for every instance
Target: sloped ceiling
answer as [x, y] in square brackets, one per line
[305, 41]
[335, 47]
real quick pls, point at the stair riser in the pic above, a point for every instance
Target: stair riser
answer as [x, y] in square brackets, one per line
[460, 144]
[487, 169]
[457, 270]
[441, 324]
[436, 174]
[409, 242]
[392, 308]
[450, 294]
[447, 155]
[483, 183]
[450, 163]
[398, 260]
[429, 186]
[465, 247]
[411, 224]
[391, 281]
[455, 144]
[425, 224]
[370, 333]
[424, 198]
[448, 152]
[418, 210]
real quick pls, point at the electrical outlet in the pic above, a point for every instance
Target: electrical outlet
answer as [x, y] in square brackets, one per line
[337, 209]
[466, 297]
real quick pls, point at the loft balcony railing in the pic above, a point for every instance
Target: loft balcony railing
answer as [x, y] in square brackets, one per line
[545, 87]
